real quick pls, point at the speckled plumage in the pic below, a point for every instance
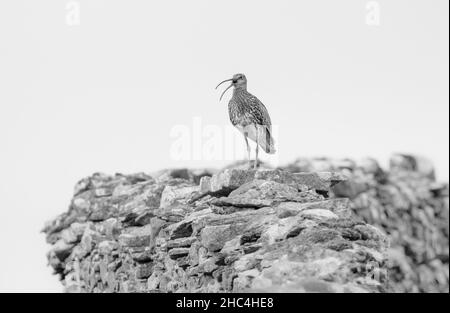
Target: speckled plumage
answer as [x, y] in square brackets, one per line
[250, 116]
[245, 109]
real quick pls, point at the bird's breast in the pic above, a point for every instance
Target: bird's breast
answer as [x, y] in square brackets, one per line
[238, 115]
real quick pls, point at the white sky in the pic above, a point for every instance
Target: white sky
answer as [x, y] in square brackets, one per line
[104, 95]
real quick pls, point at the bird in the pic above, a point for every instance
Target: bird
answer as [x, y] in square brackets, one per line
[250, 117]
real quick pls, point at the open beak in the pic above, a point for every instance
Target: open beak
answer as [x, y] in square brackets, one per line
[227, 80]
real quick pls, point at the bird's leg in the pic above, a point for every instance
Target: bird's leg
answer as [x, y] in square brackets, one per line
[257, 148]
[248, 149]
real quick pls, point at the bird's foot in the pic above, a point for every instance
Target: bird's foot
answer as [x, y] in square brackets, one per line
[253, 165]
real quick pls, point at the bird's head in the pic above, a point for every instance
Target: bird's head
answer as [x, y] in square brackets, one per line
[239, 81]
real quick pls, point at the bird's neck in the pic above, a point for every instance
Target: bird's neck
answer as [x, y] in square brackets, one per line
[239, 89]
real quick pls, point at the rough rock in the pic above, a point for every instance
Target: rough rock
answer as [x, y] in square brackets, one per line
[407, 204]
[302, 228]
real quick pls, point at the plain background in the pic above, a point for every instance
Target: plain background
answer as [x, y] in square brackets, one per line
[104, 95]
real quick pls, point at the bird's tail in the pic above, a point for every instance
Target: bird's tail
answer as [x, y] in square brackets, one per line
[265, 140]
[262, 135]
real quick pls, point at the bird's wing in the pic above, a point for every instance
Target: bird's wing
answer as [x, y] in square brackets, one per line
[259, 111]
[263, 130]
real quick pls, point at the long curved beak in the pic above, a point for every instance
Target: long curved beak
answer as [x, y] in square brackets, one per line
[226, 80]
[225, 91]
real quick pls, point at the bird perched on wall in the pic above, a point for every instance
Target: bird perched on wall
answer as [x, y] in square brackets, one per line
[250, 116]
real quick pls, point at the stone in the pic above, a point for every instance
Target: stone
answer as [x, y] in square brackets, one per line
[225, 182]
[82, 186]
[412, 163]
[81, 205]
[176, 194]
[87, 242]
[176, 253]
[69, 236]
[181, 242]
[180, 230]
[154, 280]
[351, 188]
[319, 213]
[136, 236]
[214, 237]
[62, 249]
[262, 193]
[317, 225]
[103, 192]
[107, 246]
[78, 228]
[321, 181]
[142, 256]
[144, 270]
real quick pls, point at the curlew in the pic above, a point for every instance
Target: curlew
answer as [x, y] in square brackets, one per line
[249, 116]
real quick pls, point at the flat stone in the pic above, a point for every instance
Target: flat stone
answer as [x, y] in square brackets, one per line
[339, 206]
[263, 193]
[176, 194]
[321, 181]
[179, 230]
[214, 237]
[280, 176]
[103, 192]
[136, 236]
[225, 182]
[176, 253]
[142, 256]
[181, 242]
[319, 213]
